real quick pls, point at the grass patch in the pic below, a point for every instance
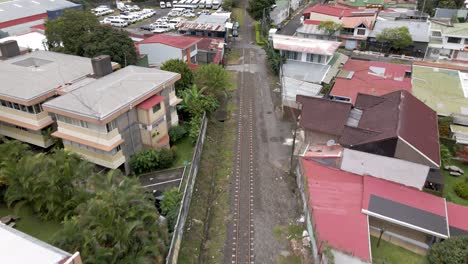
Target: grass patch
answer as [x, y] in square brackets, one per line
[233, 56]
[238, 15]
[388, 253]
[291, 259]
[31, 224]
[450, 181]
[205, 229]
[291, 231]
[184, 152]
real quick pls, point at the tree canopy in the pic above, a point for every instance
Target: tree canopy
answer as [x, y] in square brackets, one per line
[397, 37]
[119, 224]
[330, 27]
[170, 206]
[451, 251]
[213, 77]
[79, 33]
[256, 8]
[183, 69]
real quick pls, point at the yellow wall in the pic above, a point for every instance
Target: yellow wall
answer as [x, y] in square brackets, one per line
[162, 129]
[33, 119]
[111, 162]
[25, 136]
[153, 117]
[107, 139]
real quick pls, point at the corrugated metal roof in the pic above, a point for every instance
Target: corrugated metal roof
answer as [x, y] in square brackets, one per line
[177, 41]
[11, 10]
[305, 71]
[419, 30]
[315, 46]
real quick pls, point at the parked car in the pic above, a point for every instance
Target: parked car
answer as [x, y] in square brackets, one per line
[118, 23]
[188, 14]
[168, 4]
[147, 27]
[174, 2]
[162, 5]
[161, 28]
[105, 21]
[203, 12]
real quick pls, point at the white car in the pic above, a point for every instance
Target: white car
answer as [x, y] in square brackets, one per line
[203, 12]
[188, 14]
[168, 5]
[162, 5]
[105, 21]
[118, 23]
[161, 28]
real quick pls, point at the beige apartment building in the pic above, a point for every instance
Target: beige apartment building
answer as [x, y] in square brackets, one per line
[102, 115]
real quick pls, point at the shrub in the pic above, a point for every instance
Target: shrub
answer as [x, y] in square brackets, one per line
[451, 251]
[461, 189]
[176, 133]
[258, 35]
[194, 128]
[148, 160]
[170, 206]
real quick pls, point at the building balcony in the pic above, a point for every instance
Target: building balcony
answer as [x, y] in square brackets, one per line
[32, 137]
[108, 161]
[23, 119]
[88, 136]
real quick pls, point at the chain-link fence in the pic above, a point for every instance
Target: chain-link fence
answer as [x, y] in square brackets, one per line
[185, 204]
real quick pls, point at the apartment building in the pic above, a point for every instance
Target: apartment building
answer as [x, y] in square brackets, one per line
[29, 80]
[107, 120]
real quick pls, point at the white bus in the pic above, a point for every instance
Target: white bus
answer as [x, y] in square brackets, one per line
[215, 4]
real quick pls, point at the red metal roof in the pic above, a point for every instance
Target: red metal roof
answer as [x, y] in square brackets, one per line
[22, 20]
[150, 102]
[365, 81]
[458, 216]
[402, 194]
[338, 11]
[312, 22]
[335, 202]
[181, 42]
[40, 26]
[209, 43]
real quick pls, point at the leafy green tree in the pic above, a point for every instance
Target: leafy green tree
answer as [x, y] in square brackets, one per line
[397, 37]
[79, 33]
[15, 149]
[112, 42]
[53, 184]
[183, 69]
[258, 7]
[451, 251]
[274, 59]
[445, 155]
[195, 102]
[118, 225]
[170, 206]
[213, 77]
[330, 27]
[194, 128]
[71, 31]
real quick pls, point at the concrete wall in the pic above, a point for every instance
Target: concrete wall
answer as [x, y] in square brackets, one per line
[159, 53]
[129, 129]
[395, 170]
[407, 152]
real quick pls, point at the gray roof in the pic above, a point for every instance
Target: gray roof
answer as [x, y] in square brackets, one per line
[34, 74]
[419, 30]
[113, 92]
[212, 19]
[449, 13]
[10, 10]
[305, 71]
[312, 30]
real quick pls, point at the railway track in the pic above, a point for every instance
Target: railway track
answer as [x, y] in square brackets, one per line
[241, 236]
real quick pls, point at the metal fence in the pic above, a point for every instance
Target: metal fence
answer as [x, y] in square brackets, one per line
[187, 197]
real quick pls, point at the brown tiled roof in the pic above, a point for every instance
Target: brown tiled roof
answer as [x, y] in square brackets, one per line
[323, 115]
[398, 114]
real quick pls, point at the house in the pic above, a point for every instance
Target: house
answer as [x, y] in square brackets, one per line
[206, 26]
[163, 47]
[210, 50]
[419, 31]
[404, 216]
[307, 66]
[109, 119]
[448, 41]
[394, 125]
[18, 16]
[381, 4]
[370, 77]
[356, 23]
[18, 247]
[27, 82]
[460, 14]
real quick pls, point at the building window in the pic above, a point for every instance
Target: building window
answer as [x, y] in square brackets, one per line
[37, 108]
[453, 40]
[407, 74]
[361, 31]
[436, 34]
[111, 125]
[156, 108]
[21, 128]
[83, 123]
[292, 55]
[310, 57]
[193, 48]
[466, 41]
[118, 148]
